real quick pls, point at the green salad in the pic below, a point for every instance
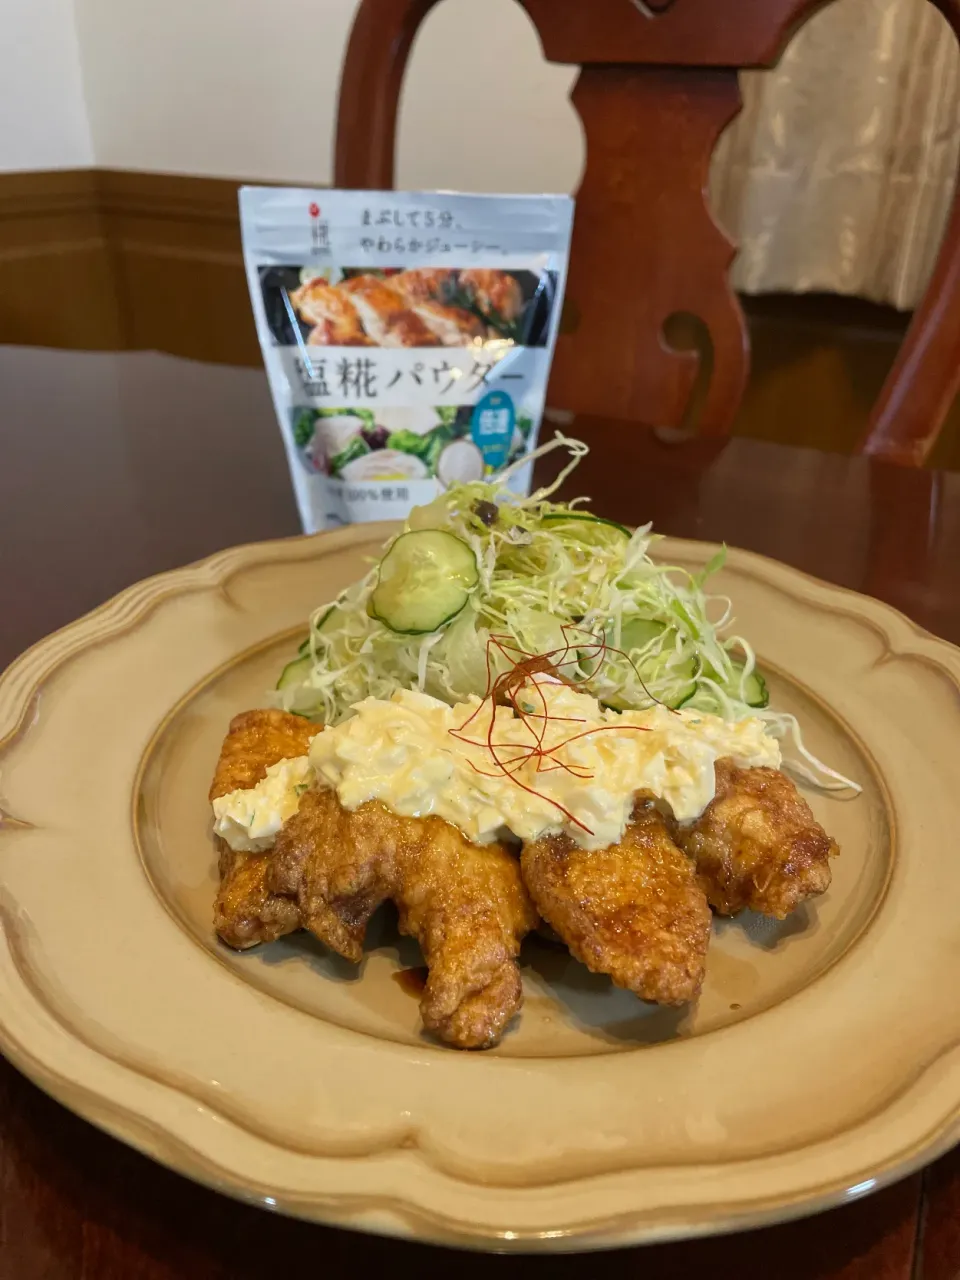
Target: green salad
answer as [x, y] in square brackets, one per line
[480, 576]
[481, 579]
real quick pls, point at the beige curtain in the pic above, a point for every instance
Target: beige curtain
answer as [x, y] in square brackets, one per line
[839, 173]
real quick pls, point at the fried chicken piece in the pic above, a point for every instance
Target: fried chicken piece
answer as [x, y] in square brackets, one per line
[427, 291]
[255, 741]
[451, 326]
[424, 284]
[464, 903]
[385, 314]
[246, 911]
[757, 844]
[633, 910]
[333, 315]
[493, 291]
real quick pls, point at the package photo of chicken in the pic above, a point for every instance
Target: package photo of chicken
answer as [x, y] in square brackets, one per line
[415, 307]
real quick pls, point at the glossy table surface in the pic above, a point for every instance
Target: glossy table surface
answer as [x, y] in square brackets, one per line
[115, 467]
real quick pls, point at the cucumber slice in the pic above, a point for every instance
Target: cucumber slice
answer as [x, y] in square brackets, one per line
[425, 580]
[755, 690]
[636, 634]
[583, 517]
[684, 691]
[326, 623]
[301, 699]
[294, 673]
[329, 619]
[686, 675]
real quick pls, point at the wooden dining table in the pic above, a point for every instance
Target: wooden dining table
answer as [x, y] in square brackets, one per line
[114, 467]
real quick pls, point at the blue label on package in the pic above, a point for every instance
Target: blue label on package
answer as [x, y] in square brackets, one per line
[492, 426]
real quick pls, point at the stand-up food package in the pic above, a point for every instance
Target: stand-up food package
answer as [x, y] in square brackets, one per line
[407, 337]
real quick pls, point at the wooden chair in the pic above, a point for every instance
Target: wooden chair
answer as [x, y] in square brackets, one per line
[657, 86]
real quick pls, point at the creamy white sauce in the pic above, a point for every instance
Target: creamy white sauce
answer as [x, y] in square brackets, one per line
[410, 753]
[421, 757]
[249, 819]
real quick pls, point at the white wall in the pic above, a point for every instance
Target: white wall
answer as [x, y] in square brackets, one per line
[237, 88]
[482, 110]
[247, 88]
[43, 120]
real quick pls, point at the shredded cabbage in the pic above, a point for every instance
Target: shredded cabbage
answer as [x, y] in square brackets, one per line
[553, 580]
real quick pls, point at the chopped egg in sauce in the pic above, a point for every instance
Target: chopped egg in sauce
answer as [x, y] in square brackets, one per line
[249, 819]
[566, 765]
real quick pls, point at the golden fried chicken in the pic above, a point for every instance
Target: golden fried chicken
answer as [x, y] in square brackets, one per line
[633, 910]
[464, 903]
[255, 741]
[427, 291]
[333, 315]
[246, 912]
[450, 326]
[386, 316]
[495, 292]
[757, 845]
[424, 284]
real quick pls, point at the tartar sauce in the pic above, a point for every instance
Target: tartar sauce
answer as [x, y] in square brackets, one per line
[419, 757]
[249, 820]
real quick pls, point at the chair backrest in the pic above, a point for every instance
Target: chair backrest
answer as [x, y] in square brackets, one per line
[657, 86]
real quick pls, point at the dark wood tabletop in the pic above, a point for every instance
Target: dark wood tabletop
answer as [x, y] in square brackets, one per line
[114, 467]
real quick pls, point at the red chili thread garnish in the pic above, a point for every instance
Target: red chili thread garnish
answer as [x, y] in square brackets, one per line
[505, 690]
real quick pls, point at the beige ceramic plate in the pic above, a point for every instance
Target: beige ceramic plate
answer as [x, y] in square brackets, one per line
[821, 1061]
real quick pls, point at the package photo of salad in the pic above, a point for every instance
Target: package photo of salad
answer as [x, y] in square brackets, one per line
[407, 338]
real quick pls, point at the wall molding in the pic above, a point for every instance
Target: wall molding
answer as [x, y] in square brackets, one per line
[108, 259]
[46, 193]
